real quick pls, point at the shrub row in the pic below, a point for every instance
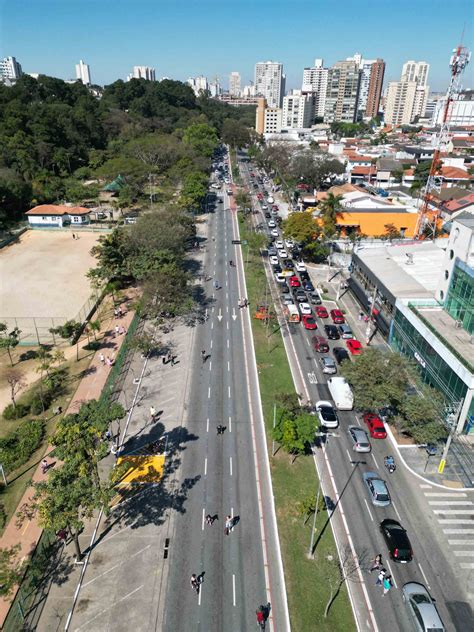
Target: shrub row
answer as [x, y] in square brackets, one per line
[17, 447]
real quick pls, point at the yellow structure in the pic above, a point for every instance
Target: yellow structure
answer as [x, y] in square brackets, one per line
[139, 470]
[373, 223]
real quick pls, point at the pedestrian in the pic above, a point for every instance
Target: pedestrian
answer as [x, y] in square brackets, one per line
[116, 313]
[102, 357]
[228, 525]
[261, 618]
[361, 315]
[220, 429]
[209, 519]
[119, 311]
[152, 413]
[117, 330]
[380, 577]
[387, 584]
[376, 563]
[73, 236]
[203, 356]
[164, 359]
[240, 303]
[122, 330]
[246, 302]
[44, 466]
[194, 581]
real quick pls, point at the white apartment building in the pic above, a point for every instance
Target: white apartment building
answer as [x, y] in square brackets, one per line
[215, 89]
[270, 82]
[273, 120]
[142, 72]
[416, 71]
[399, 102]
[460, 113]
[234, 84]
[249, 91]
[342, 95]
[198, 84]
[83, 73]
[298, 110]
[10, 69]
[315, 81]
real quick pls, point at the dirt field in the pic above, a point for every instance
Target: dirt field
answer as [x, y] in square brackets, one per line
[43, 276]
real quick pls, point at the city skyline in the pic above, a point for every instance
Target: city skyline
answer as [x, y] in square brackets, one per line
[130, 41]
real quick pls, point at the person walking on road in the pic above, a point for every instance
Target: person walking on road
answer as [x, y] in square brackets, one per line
[380, 577]
[194, 581]
[376, 563]
[102, 358]
[209, 520]
[220, 429]
[203, 356]
[152, 413]
[387, 584]
[261, 618]
[228, 525]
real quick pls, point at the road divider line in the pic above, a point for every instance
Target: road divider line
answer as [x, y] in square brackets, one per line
[210, 365]
[230, 465]
[207, 424]
[203, 519]
[228, 391]
[368, 509]
[396, 510]
[233, 589]
[424, 576]
[387, 563]
[209, 393]
[375, 461]
[205, 466]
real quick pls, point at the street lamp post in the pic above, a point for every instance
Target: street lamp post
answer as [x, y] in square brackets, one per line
[310, 552]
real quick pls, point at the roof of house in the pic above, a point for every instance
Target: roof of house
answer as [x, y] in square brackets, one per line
[58, 209]
[458, 204]
[455, 173]
[389, 164]
[362, 171]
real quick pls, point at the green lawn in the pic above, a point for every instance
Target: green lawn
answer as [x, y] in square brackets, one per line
[307, 580]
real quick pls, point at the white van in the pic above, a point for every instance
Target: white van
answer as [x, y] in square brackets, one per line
[292, 314]
[341, 393]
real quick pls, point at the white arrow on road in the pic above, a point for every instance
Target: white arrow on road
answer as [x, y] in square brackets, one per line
[219, 315]
[234, 315]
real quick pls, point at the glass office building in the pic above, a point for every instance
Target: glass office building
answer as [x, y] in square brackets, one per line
[460, 299]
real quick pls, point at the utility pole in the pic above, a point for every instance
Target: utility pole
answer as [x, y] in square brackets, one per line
[442, 463]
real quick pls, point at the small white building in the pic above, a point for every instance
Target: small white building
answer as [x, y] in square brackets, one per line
[57, 216]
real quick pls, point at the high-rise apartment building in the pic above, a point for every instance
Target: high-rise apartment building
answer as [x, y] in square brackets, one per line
[10, 69]
[416, 71]
[83, 73]
[142, 72]
[315, 82]
[270, 82]
[198, 84]
[374, 92]
[407, 98]
[298, 110]
[234, 84]
[342, 96]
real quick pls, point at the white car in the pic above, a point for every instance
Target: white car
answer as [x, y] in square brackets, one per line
[279, 244]
[274, 261]
[216, 185]
[289, 243]
[305, 309]
[300, 266]
[274, 233]
[264, 207]
[280, 278]
[272, 223]
[326, 413]
[282, 254]
[270, 199]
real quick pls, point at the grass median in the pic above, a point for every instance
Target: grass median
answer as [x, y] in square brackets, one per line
[308, 581]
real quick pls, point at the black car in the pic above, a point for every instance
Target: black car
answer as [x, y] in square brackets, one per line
[304, 276]
[331, 332]
[314, 298]
[340, 354]
[288, 263]
[300, 295]
[267, 214]
[296, 252]
[397, 541]
[277, 269]
[308, 286]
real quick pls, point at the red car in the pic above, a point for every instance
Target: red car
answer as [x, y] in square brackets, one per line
[321, 311]
[337, 316]
[259, 196]
[252, 175]
[354, 346]
[309, 322]
[375, 426]
[294, 281]
[275, 207]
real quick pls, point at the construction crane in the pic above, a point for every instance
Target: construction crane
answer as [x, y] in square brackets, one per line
[427, 218]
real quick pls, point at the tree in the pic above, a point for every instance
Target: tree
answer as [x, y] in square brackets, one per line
[194, 190]
[167, 291]
[346, 568]
[111, 252]
[15, 195]
[294, 432]
[11, 569]
[95, 327]
[16, 382]
[307, 506]
[316, 169]
[235, 133]
[9, 340]
[201, 137]
[242, 199]
[391, 231]
[330, 209]
[420, 175]
[301, 227]
[422, 415]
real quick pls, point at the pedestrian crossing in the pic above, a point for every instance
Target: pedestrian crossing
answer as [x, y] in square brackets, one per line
[454, 512]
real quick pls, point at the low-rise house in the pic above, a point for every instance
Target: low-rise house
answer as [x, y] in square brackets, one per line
[57, 216]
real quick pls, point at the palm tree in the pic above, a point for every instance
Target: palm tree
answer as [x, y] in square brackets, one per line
[331, 208]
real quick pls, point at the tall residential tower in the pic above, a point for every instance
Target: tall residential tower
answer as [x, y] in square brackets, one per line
[315, 82]
[83, 73]
[270, 82]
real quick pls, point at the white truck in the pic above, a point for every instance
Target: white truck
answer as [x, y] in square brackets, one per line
[341, 393]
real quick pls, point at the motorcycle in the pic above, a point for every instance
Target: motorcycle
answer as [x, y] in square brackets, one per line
[389, 463]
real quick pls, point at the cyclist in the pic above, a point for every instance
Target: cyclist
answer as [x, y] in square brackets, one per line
[194, 582]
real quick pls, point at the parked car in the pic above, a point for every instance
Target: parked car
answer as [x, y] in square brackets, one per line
[326, 413]
[328, 365]
[314, 298]
[421, 609]
[259, 196]
[359, 438]
[397, 541]
[264, 207]
[377, 489]
[340, 354]
[337, 316]
[294, 281]
[267, 215]
[322, 312]
[345, 331]
[354, 346]
[280, 278]
[308, 286]
[320, 344]
[274, 261]
[287, 299]
[331, 332]
[279, 244]
[309, 322]
[375, 426]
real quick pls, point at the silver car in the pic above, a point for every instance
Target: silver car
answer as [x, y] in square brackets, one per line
[328, 365]
[421, 609]
[378, 491]
[359, 438]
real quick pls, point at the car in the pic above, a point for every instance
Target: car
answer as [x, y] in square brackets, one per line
[282, 254]
[354, 346]
[274, 207]
[340, 354]
[308, 286]
[359, 438]
[271, 224]
[305, 308]
[421, 609]
[287, 272]
[397, 541]
[300, 295]
[274, 261]
[314, 298]
[272, 252]
[304, 276]
[377, 489]
[375, 426]
[326, 413]
[300, 266]
[289, 243]
[296, 251]
[309, 322]
[322, 312]
[259, 196]
[289, 264]
[255, 185]
[215, 185]
[274, 232]
[328, 365]
[287, 299]
[264, 207]
[268, 216]
[280, 278]
[285, 290]
[252, 174]
[229, 192]
[279, 244]
[320, 344]
[294, 281]
[345, 331]
[331, 332]
[337, 316]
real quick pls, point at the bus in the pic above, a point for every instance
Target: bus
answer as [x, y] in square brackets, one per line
[292, 313]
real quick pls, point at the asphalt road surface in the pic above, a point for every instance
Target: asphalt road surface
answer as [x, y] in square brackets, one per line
[227, 473]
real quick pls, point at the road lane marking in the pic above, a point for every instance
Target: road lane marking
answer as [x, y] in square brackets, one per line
[210, 365]
[463, 512]
[461, 542]
[451, 521]
[233, 587]
[227, 324]
[230, 424]
[85, 625]
[450, 502]
[212, 325]
[464, 553]
[423, 486]
[230, 465]
[391, 574]
[467, 565]
[207, 424]
[375, 460]
[209, 393]
[424, 576]
[459, 531]
[396, 510]
[228, 365]
[228, 343]
[228, 390]
[349, 457]
[211, 344]
[205, 466]
[203, 518]
[448, 494]
[368, 509]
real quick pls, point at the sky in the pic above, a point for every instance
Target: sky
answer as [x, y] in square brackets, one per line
[185, 38]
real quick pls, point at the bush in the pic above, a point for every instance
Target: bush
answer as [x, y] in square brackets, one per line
[15, 412]
[36, 406]
[17, 447]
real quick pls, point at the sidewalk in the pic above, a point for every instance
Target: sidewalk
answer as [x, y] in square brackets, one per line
[90, 387]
